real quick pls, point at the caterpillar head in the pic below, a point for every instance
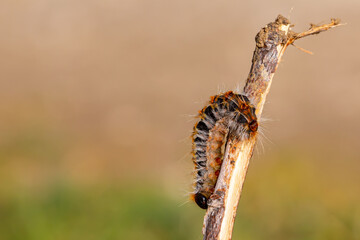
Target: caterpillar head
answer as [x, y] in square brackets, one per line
[201, 200]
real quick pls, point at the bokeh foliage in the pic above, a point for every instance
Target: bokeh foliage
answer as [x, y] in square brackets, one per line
[280, 201]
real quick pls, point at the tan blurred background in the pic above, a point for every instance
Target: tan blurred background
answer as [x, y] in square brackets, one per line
[97, 99]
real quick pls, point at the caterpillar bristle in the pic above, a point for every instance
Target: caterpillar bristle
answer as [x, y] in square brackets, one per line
[227, 113]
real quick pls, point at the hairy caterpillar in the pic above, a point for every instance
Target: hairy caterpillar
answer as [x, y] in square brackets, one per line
[226, 114]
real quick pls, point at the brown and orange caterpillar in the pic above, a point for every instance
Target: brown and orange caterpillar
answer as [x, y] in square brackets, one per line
[227, 114]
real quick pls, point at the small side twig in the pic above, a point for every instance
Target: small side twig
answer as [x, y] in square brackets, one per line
[271, 43]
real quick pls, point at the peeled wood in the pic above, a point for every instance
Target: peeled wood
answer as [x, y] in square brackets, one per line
[271, 42]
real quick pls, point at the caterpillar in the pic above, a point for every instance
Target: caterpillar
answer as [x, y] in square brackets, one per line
[226, 114]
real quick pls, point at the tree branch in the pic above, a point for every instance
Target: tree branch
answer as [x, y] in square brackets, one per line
[271, 42]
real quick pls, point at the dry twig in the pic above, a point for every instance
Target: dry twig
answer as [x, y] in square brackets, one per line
[271, 42]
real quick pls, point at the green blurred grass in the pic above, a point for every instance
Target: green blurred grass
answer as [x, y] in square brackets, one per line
[146, 212]
[116, 213]
[287, 195]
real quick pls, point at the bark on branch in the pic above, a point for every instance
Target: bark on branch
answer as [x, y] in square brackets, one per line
[271, 42]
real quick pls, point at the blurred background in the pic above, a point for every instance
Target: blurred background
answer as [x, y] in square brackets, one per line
[97, 106]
